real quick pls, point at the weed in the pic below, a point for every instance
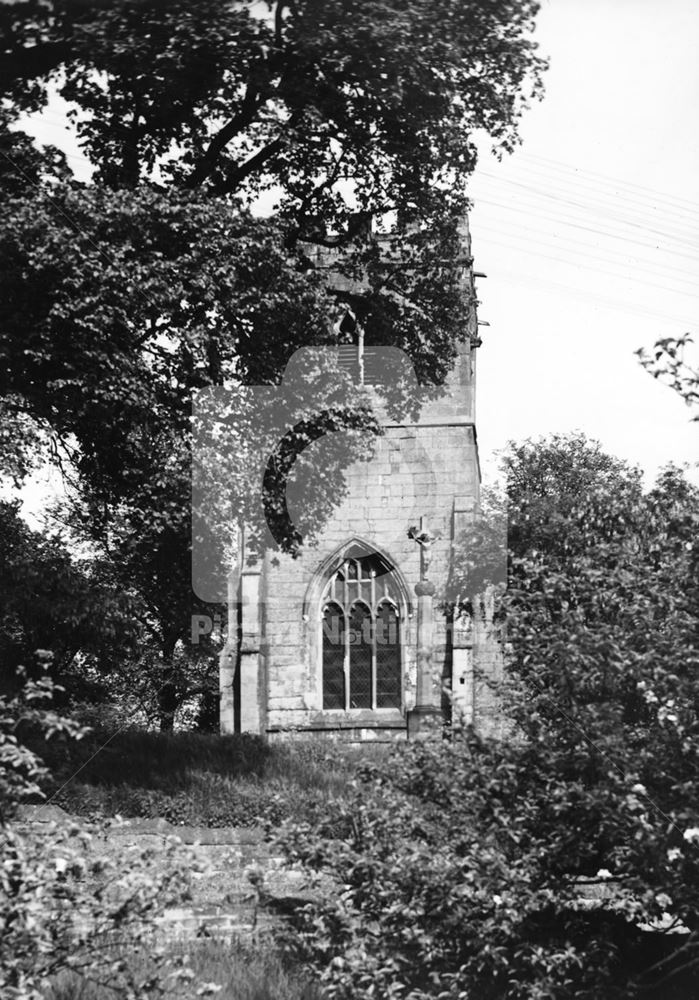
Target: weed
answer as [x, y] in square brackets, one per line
[242, 971]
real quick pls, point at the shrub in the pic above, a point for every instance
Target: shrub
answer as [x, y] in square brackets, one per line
[67, 907]
[64, 905]
[460, 868]
[20, 768]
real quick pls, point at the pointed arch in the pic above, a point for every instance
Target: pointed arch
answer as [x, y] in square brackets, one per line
[358, 602]
[355, 545]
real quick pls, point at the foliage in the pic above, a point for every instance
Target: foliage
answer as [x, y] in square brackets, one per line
[122, 298]
[51, 601]
[22, 446]
[453, 881]
[20, 768]
[603, 598]
[68, 906]
[301, 97]
[669, 363]
[64, 903]
[465, 865]
[110, 354]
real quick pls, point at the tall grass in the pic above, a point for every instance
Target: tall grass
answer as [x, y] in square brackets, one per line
[197, 779]
[244, 973]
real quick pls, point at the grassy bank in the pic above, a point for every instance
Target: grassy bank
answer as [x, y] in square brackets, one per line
[242, 972]
[196, 779]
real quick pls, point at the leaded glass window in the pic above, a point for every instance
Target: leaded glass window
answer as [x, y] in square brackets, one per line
[361, 647]
[333, 657]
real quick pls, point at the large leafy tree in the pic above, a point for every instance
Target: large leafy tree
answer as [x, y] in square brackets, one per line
[299, 96]
[563, 859]
[137, 311]
[47, 602]
[123, 297]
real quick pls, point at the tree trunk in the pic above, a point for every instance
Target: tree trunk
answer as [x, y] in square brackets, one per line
[168, 696]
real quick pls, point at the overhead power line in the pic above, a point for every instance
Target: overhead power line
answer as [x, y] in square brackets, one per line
[588, 296]
[615, 216]
[535, 212]
[608, 252]
[576, 262]
[599, 266]
[560, 166]
[540, 200]
[619, 194]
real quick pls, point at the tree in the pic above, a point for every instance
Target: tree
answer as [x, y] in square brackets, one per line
[302, 96]
[72, 610]
[109, 354]
[343, 110]
[467, 866]
[122, 298]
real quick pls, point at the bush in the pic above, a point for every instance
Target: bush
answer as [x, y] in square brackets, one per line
[63, 904]
[20, 767]
[68, 907]
[460, 868]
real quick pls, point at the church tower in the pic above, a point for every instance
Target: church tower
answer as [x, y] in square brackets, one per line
[349, 640]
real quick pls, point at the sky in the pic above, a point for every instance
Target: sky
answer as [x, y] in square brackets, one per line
[588, 234]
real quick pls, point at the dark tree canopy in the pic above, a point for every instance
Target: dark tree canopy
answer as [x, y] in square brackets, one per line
[130, 293]
[301, 97]
[70, 612]
[231, 142]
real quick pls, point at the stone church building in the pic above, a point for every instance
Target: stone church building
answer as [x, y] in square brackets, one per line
[350, 641]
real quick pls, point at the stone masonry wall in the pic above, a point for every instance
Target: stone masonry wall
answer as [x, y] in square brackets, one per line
[430, 469]
[415, 471]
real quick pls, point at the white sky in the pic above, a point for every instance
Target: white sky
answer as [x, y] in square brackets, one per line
[589, 233]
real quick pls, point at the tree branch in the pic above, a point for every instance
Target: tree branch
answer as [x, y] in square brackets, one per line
[260, 157]
[297, 233]
[687, 946]
[672, 974]
[279, 23]
[251, 104]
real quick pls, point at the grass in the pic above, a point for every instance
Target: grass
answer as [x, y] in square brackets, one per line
[196, 779]
[244, 973]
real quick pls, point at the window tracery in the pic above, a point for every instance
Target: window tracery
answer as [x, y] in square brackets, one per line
[361, 648]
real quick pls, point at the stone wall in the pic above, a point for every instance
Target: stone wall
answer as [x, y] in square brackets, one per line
[425, 468]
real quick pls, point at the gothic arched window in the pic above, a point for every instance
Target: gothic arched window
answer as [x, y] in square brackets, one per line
[361, 650]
